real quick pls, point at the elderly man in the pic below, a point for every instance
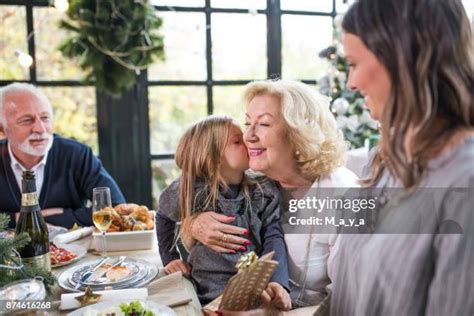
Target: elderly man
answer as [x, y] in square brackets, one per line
[66, 171]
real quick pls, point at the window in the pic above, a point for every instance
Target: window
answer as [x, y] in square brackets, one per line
[12, 43]
[213, 49]
[73, 102]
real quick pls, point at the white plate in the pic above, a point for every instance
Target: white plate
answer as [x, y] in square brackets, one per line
[78, 250]
[157, 308]
[150, 271]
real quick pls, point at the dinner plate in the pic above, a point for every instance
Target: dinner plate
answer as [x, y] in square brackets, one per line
[132, 266]
[157, 308]
[78, 250]
[147, 272]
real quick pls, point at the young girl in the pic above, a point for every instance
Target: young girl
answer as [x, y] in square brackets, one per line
[213, 159]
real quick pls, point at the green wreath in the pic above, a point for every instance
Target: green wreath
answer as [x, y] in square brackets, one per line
[114, 39]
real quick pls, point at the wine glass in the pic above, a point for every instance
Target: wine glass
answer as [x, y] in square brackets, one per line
[102, 211]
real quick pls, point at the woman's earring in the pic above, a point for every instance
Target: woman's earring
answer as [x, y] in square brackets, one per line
[297, 153]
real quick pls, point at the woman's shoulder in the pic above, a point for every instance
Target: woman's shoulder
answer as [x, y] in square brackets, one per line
[340, 178]
[260, 183]
[453, 168]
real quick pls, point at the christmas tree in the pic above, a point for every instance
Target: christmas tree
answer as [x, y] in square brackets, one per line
[347, 105]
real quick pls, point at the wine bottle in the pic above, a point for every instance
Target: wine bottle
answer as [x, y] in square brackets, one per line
[31, 221]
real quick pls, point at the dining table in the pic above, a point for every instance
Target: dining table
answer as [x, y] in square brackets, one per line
[174, 290]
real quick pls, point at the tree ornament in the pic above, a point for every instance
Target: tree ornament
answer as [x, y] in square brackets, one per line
[346, 105]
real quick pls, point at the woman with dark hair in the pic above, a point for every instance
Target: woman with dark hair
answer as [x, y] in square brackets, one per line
[412, 60]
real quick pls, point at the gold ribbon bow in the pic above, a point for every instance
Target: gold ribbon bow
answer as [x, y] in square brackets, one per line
[246, 260]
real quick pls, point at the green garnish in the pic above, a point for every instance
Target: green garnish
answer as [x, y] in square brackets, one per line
[135, 309]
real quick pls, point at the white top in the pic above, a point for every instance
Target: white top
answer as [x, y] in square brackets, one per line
[308, 253]
[18, 169]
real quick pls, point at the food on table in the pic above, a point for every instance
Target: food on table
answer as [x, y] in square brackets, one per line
[131, 217]
[115, 274]
[134, 308]
[60, 255]
[118, 273]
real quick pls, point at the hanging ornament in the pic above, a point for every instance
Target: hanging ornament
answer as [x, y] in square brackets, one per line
[340, 106]
[61, 5]
[24, 59]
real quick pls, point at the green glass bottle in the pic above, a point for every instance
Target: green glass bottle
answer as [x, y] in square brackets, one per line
[31, 221]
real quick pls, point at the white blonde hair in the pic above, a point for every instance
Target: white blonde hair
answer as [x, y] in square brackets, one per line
[312, 130]
[21, 87]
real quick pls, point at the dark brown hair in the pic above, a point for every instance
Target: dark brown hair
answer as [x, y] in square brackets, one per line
[426, 47]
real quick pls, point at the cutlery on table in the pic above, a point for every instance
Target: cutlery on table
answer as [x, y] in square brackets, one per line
[86, 275]
[100, 278]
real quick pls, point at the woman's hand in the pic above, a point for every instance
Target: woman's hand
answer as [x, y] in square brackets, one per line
[178, 265]
[276, 295]
[212, 230]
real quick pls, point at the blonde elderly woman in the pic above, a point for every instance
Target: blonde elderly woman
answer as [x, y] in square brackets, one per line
[293, 139]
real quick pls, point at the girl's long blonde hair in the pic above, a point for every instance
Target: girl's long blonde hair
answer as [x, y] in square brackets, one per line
[198, 156]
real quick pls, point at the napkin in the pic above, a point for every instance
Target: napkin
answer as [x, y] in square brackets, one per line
[169, 290]
[74, 235]
[68, 301]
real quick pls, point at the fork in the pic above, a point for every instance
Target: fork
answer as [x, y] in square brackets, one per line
[100, 278]
[86, 275]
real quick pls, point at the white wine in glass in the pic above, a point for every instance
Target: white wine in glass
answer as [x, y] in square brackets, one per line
[102, 212]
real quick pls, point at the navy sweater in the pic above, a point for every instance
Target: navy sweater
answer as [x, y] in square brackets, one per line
[70, 174]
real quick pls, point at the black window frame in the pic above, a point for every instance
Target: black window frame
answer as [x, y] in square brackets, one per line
[273, 14]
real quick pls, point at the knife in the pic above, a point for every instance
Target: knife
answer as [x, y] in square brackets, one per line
[120, 260]
[86, 275]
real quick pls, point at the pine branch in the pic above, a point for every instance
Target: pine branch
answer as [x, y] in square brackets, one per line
[112, 59]
[4, 220]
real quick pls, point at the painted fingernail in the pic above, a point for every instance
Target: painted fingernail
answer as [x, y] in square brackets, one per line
[219, 312]
[242, 249]
[232, 251]
[245, 232]
[247, 242]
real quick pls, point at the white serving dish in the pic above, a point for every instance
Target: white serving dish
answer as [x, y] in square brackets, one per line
[119, 241]
[132, 240]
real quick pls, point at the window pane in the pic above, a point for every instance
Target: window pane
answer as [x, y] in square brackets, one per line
[306, 5]
[50, 62]
[178, 3]
[469, 6]
[239, 46]
[228, 101]
[75, 113]
[12, 18]
[239, 4]
[163, 173]
[185, 48]
[343, 5]
[172, 110]
[303, 38]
